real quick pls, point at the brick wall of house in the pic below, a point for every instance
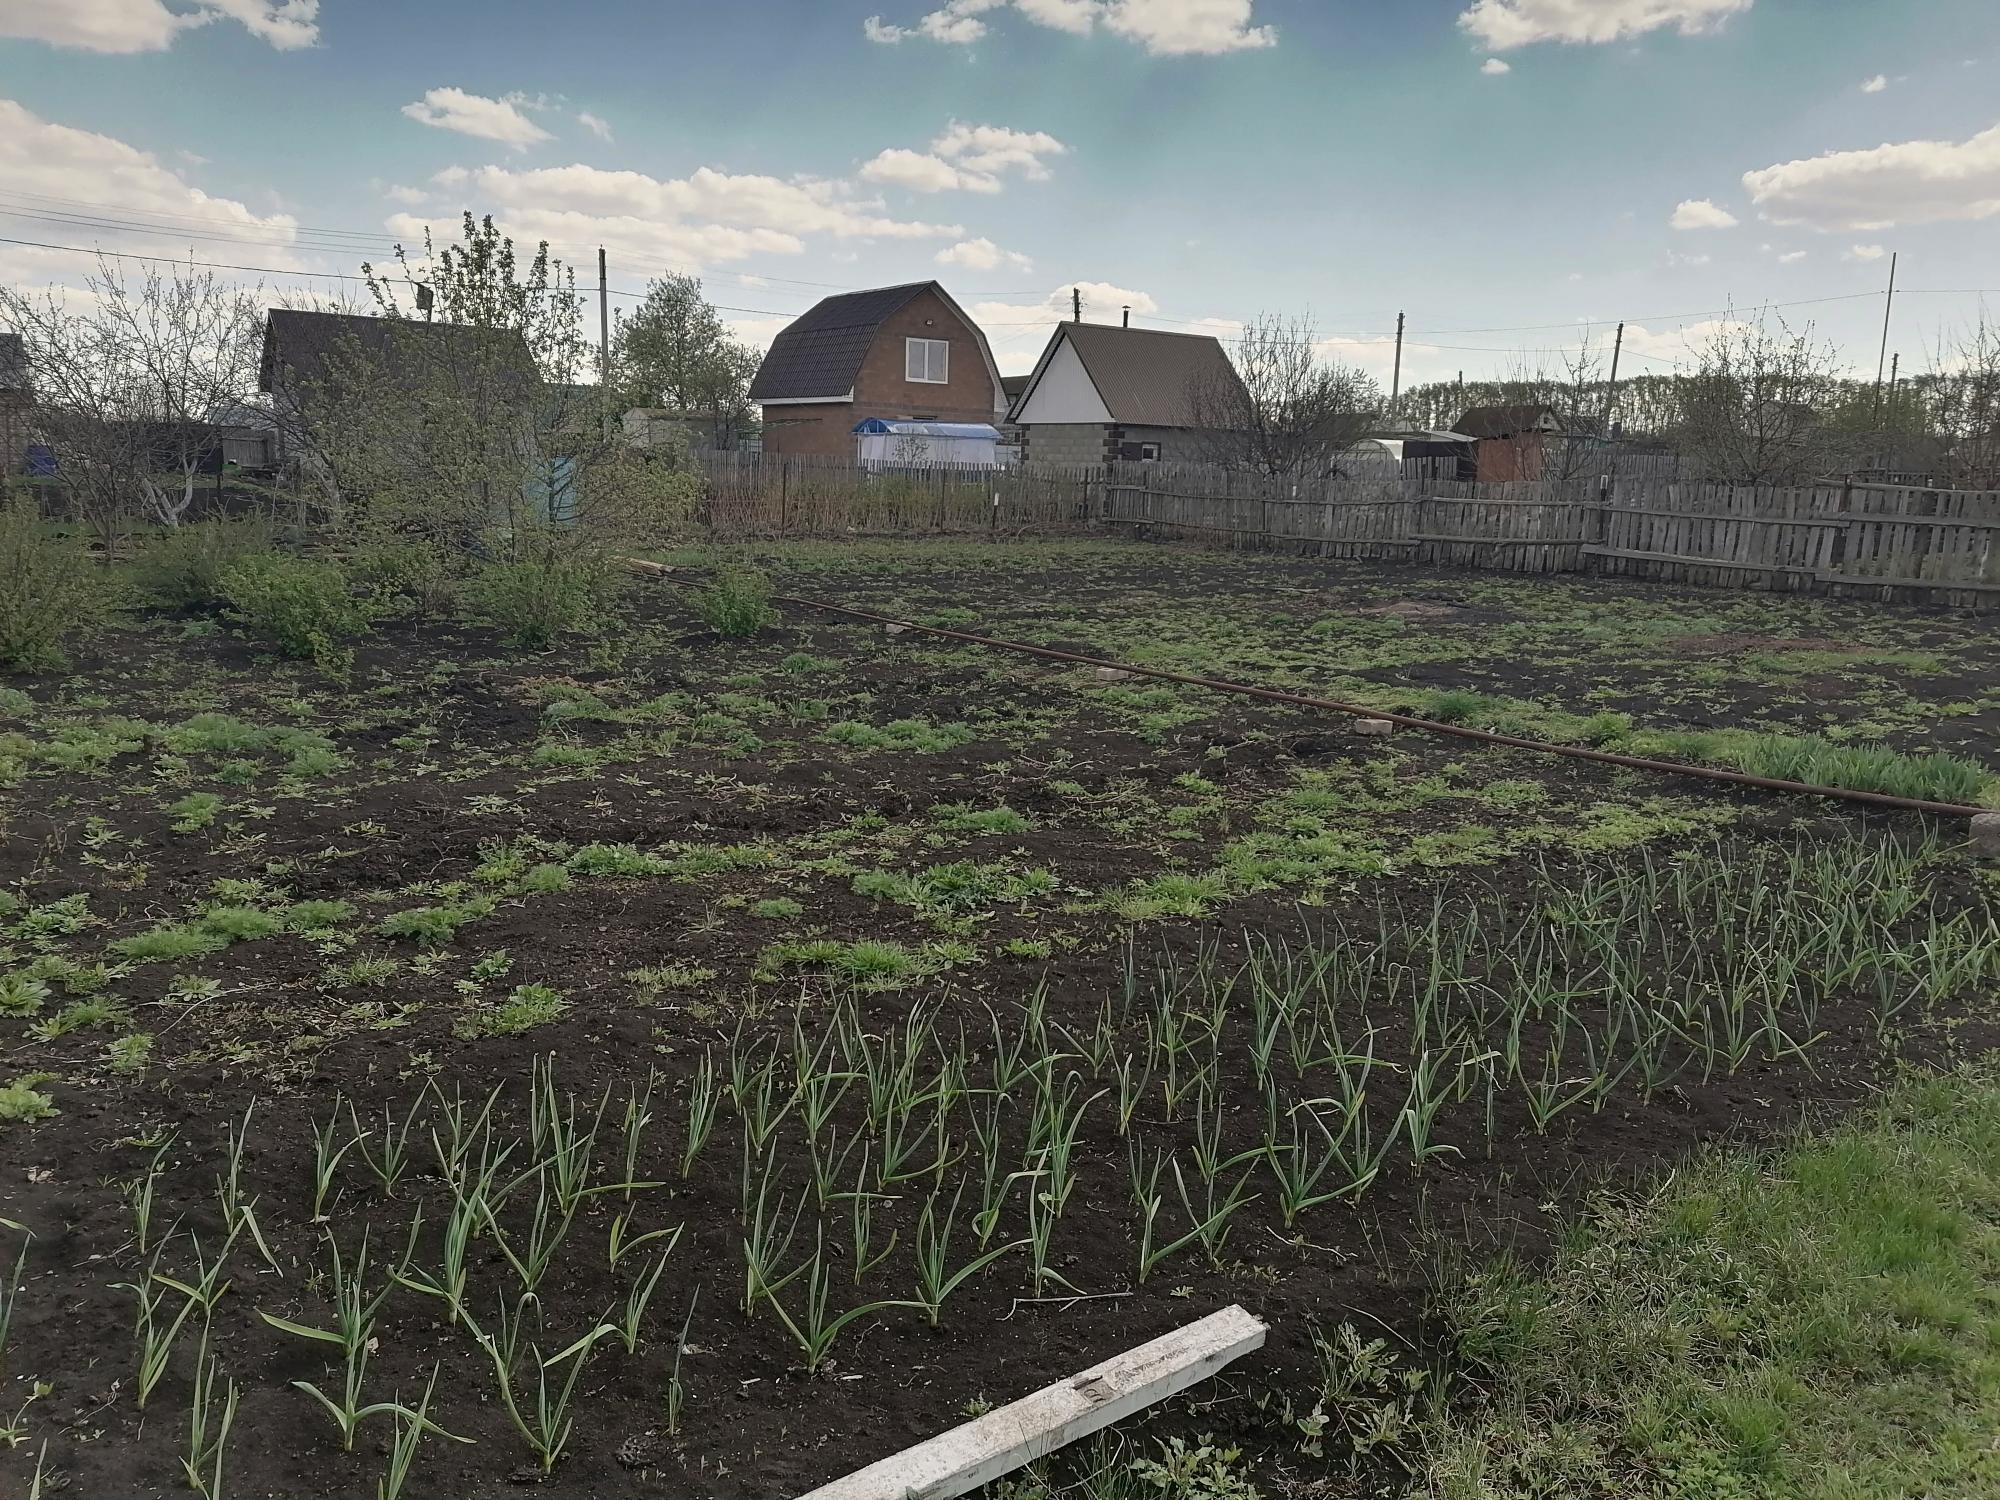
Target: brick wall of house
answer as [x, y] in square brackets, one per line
[812, 431]
[882, 388]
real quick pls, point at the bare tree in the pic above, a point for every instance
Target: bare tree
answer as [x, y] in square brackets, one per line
[1962, 405]
[1755, 410]
[1281, 410]
[129, 378]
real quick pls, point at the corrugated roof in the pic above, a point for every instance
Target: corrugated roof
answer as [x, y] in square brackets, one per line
[1146, 378]
[820, 354]
[303, 342]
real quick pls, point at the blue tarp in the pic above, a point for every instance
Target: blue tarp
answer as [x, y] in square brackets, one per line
[978, 431]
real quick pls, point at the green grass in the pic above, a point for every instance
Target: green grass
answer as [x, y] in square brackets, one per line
[1821, 1323]
[529, 1006]
[1821, 762]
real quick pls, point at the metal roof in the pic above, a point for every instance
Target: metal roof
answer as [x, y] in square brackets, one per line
[305, 343]
[1145, 377]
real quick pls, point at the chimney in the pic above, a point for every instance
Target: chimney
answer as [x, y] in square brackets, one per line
[1127, 323]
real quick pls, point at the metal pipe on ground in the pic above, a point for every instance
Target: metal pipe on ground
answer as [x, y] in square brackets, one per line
[1406, 721]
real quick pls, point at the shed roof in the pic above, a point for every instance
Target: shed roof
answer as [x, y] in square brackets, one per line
[303, 343]
[1145, 377]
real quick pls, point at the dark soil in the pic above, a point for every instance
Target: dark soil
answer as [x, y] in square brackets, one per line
[437, 729]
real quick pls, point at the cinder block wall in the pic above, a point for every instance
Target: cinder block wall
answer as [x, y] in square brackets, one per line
[1067, 443]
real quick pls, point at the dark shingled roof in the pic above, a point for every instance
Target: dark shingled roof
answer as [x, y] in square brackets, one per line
[13, 363]
[1146, 377]
[303, 342]
[820, 354]
[1506, 421]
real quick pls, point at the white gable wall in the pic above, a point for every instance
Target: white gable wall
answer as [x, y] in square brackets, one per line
[1064, 393]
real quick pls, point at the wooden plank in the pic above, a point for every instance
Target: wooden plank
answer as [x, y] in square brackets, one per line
[1690, 561]
[1000, 1442]
[1940, 585]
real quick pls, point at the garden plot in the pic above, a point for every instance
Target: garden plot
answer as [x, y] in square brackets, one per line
[706, 1066]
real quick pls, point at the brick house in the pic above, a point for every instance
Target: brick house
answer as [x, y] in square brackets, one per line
[15, 398]
[900, 353]
[1102, 393]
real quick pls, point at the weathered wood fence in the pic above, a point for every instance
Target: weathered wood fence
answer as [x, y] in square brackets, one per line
[1892, 542]
[755, 494]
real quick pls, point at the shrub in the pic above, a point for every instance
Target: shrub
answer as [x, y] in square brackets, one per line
[736, 603]
[184, 568]
[303, 607]
[395, 569]
[533, 603]
[49, 593]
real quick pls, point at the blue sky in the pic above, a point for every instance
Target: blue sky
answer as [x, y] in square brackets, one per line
[1515, 175]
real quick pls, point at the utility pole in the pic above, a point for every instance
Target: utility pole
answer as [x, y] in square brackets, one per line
[1396, 379]
[603, 321]
[1888, 305]
[1076, 304]
[1611, 390]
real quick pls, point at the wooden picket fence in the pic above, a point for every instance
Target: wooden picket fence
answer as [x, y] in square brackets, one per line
[1891, 542]
[767, 495]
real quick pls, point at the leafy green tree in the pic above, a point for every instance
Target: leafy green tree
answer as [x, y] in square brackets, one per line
[674, 352]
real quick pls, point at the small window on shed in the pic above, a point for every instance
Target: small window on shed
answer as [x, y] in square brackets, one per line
[927, 361]
[1139, 452]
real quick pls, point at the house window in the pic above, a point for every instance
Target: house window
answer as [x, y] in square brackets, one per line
[927, 361]
[1139, 452]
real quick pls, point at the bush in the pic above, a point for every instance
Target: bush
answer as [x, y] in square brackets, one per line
[303, 607]
[533, 603]
[184, 568]
[408, 570]
[737, 603]
[50, 594]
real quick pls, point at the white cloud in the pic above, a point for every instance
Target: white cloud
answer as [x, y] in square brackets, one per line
[708, 217]
[408, 197]
[1165, 28]
[38, 156]
[983, 255]
[485, 119]
[1495, 67]
[923, 172]
[597, 125]
[1876, 84]
[1700, 213]
[125, 26]
[1502, 25]
[1863, 252]
[1677, 343]
[1675, 258]
[1792, 257]
[970, 158]
[1019, 331]
[1911, 182]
